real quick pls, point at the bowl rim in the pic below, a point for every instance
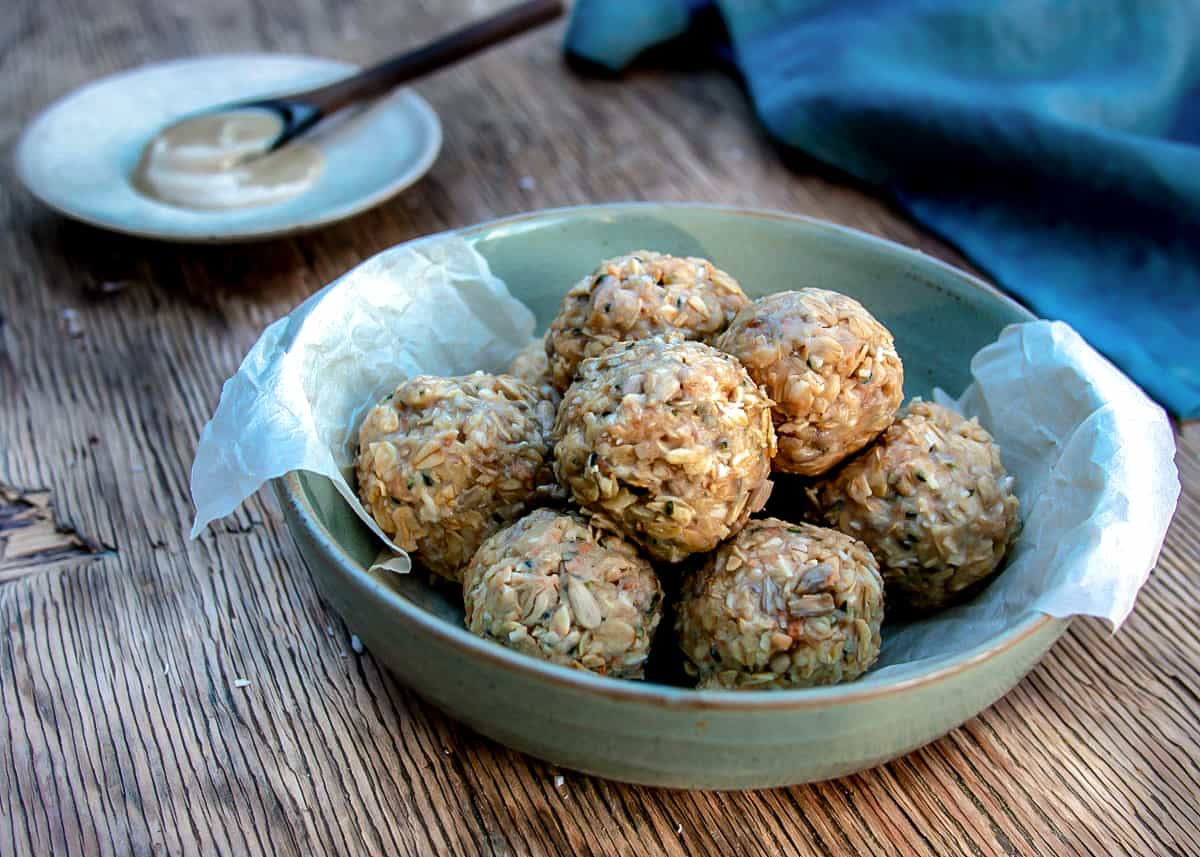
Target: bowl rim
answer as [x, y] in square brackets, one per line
[293, 494]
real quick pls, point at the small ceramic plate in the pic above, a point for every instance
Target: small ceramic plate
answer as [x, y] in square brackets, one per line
[660, 734]
[77, 156]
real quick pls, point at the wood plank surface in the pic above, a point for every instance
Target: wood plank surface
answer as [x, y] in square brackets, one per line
[126, 727]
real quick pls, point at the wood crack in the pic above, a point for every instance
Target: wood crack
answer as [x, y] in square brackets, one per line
[34, 539]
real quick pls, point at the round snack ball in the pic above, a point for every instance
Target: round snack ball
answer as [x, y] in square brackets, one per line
[532, 366]
[668, 442]
[782, 605]
[636, 296]
[445, 462]
[553, 587]
[830, 367]
[932, 500]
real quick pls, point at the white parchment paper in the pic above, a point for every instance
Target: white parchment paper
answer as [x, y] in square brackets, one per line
[1093, 457]
[429, 307]
[1094, 461]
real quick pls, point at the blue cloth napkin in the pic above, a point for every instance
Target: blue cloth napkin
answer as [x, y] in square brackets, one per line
[1055, 142]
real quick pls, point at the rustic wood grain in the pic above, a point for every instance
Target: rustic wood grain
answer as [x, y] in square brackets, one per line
[32, 539]
[124, 729]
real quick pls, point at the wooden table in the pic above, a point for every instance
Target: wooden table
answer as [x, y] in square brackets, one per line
[122, 729]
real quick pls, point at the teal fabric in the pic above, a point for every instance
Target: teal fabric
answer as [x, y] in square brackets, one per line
[1056, 142]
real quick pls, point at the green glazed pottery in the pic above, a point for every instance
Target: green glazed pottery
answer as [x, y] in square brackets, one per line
[658, 734]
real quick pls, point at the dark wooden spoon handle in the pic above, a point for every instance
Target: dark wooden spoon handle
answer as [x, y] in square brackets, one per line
[448, 49]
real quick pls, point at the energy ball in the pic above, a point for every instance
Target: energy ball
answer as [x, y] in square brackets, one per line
[782, 605]
[829, 366]
[637, 296]
[933, 502]
[533, 367]
[667, 442]
[553, 587]
[445, 462]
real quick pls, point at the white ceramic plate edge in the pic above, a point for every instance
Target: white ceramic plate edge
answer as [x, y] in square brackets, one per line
[428, 116]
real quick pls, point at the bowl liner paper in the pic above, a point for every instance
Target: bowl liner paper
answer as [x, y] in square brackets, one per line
[1093, 456]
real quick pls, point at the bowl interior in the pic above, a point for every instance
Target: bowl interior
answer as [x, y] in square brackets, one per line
[939, 315]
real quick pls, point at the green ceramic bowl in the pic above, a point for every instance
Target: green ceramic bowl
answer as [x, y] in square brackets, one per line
[658, 734]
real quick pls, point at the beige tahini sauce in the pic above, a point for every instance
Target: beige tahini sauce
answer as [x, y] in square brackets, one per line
[208, 162]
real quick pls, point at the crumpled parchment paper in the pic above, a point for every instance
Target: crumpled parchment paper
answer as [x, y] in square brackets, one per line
[1093, 457]
[1094, 461]
[428, 307]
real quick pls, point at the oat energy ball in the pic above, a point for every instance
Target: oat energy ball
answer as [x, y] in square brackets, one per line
[829, 366]
[445, 462]
[782, 605]
[553, 587]
[933, 502]
[668, 442]
[533, 367]
[636, 296]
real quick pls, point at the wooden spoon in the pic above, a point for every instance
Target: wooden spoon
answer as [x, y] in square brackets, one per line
[300, 111]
